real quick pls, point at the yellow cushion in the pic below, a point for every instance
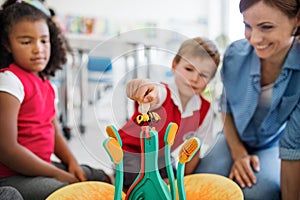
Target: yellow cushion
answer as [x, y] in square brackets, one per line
[197, 187]
[90, 190]
[211, 187]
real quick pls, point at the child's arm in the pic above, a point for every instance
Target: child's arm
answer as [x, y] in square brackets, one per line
[16, 156]
[63, 152]
[192, 164]
[208, 138]
[143, 91]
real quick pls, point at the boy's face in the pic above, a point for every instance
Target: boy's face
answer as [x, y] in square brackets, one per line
[29, 43]
[192, 74]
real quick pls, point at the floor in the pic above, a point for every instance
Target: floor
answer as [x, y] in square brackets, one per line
[87, 147]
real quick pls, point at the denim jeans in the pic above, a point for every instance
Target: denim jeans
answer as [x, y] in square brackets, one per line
[219, 161]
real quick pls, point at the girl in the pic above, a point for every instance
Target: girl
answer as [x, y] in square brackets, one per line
[31, 50]
[181, 102]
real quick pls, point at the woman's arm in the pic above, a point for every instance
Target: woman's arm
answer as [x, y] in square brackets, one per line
[16, 156]
[289, 155]
[62, 151]
[236, 146]
[242, 161]
[290, 179]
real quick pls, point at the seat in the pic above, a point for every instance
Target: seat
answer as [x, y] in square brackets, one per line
[90, 190]
[211, 187]
[100, 77]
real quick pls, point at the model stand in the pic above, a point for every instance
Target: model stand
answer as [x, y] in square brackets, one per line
[149, 185]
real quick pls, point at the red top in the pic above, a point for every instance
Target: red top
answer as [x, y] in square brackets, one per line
[35, 129]
[168, 112]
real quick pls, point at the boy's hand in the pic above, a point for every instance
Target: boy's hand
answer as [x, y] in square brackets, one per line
[143, 91]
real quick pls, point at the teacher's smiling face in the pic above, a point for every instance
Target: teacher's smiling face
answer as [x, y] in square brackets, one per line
[268, 30]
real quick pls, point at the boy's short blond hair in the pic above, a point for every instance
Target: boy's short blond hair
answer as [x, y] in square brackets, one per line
[198, 46]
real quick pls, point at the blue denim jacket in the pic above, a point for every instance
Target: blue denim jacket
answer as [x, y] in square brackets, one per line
[241, 78]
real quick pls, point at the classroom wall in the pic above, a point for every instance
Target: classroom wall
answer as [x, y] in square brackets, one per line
[212, 18]
[134, 9]
[189, 17]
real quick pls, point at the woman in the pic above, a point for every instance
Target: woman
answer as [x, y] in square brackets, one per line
[260, 104]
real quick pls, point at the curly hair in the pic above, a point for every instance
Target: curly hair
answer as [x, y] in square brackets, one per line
[10, 14]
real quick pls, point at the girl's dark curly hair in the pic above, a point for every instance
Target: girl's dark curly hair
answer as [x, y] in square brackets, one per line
[13, 12]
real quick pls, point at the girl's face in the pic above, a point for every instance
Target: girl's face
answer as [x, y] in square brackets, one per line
[192, 74]
[268, 30]
[29, 43]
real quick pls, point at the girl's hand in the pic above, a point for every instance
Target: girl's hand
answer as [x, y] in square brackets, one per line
[242, 170]
[66, 177]
[143, 91]
[77, 171]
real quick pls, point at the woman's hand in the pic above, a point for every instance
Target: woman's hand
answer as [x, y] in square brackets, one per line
[243, 170]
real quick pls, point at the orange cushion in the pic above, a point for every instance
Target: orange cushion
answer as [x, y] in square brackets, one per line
[211, 187]
[90, 190]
